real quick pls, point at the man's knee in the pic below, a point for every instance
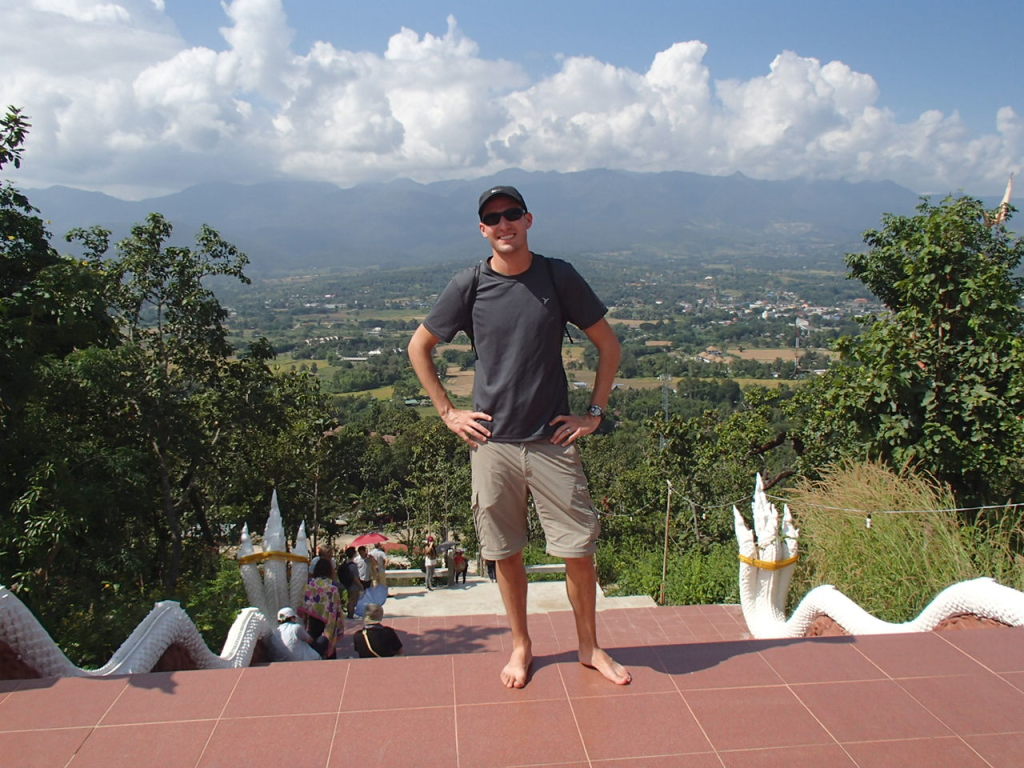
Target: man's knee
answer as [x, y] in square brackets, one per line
[580, 567]
[511, 569]
[509, 560]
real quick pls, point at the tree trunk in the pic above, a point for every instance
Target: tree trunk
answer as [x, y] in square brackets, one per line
[199, 508]
[173, 517]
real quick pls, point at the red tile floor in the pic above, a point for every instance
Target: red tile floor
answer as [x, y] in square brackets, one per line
[703, 695]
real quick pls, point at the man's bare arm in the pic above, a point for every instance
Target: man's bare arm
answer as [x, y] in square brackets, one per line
[462, 423]
[609, 354]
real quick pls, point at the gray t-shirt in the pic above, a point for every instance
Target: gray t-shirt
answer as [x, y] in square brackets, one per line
[518, 329]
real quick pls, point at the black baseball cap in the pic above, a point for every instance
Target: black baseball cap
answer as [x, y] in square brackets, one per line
[500, 192]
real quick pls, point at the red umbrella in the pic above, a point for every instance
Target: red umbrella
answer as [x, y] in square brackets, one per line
[367, 539]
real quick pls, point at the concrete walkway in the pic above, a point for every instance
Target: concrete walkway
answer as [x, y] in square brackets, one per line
[480, 596]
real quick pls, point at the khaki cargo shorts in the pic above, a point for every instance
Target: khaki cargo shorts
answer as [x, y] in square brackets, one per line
[506, 474]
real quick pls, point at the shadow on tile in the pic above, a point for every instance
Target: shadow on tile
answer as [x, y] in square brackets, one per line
[458, 639]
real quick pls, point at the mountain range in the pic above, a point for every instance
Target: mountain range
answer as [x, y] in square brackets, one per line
[301, 227]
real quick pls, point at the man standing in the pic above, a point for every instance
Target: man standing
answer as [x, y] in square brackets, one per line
[353, 585]
[364, 568]
[521, 434]
[381, 560]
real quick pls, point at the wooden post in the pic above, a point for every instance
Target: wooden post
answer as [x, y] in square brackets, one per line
[664, 559]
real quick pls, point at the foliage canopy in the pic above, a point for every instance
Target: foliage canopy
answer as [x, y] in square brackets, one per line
[938, 381]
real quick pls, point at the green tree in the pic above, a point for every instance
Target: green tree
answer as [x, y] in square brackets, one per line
[176, 347]
[938, 381]
[437, 483]
[406, 388]
[135, 441]
[49, 304]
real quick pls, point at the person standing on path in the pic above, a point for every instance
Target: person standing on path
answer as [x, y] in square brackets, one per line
[364, 568]
[350, 578]
[461, 566]
[520, 432]
[380, 559]
[429, 560]
[449, 564]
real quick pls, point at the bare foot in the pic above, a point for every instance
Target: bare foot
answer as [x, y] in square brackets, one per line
[517, 671]
[606, 665]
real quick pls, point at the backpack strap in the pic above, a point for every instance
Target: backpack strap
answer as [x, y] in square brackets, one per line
[370, 648]
[474, 285]
[558, 293]
[470, 301]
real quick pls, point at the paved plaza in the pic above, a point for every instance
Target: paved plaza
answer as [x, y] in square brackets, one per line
[704, 694]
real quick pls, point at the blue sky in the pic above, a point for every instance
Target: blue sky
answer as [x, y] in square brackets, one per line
[138, 97]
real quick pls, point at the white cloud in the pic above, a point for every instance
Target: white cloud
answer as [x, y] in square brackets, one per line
[259, 47]
[120, 102]
[84, 10]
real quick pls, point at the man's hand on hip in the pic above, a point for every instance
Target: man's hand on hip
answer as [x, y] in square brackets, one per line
[571, 428]
[465, 424]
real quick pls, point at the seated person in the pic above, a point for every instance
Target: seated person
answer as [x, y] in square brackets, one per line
[290, 641]
[375, 639]
[323, 611]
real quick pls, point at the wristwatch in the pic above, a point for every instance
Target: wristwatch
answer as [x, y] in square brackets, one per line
[595, 410]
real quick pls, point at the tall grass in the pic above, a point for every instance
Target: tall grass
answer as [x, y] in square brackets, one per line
[895, 567]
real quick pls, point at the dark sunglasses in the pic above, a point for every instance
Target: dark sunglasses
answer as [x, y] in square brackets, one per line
[511, 214]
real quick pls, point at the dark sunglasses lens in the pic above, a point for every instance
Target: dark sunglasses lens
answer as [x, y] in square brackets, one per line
[512, 214]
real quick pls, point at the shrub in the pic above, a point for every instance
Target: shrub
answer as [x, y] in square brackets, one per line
[213, 603]
[895, 567]
[696, 576]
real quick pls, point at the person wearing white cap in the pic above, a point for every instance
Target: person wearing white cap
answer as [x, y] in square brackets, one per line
[289, 640]
[522, 436]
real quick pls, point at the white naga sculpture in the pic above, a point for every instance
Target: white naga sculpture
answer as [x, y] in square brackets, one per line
[279, 586]
[768, 557]
[165, 626]
[168, 625]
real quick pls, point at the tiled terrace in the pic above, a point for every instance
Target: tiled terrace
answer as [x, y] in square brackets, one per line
[703, 695]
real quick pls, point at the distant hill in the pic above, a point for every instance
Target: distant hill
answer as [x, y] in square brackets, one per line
[293, 226]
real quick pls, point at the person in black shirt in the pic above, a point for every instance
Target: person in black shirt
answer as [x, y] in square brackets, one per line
[374, 639]
[521, 433]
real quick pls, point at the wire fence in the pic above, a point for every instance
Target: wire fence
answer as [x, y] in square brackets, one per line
[705, 508]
